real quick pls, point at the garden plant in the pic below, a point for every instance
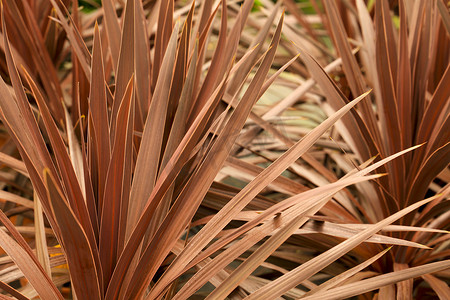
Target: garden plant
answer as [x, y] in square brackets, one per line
[178, 149]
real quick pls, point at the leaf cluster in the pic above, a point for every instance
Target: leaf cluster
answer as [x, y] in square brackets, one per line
[151, 151]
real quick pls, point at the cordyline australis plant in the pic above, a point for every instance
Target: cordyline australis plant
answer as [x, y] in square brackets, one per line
[124, 147]
[406, 62]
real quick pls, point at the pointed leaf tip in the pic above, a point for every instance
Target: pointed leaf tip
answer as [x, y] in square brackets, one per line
[381, 175]
[368, 92]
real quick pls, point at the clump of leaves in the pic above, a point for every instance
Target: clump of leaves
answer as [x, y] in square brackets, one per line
[407, 66]
[125, 148]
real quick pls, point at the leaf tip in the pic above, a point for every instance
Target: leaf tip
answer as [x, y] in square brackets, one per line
[367, 93]
[381, 175]
[420, 145]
